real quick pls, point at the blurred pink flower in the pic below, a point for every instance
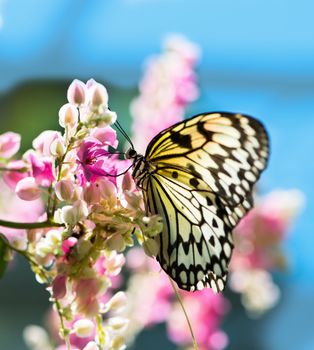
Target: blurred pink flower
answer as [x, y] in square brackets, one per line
[13, 208]
[205, 310]
[260, 232]
[9, 144]
[168, 85]
[44, 140]
[11, 177]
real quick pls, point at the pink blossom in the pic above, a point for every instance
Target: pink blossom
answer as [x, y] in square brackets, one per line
[106, 136]
[44, 140]
[93, 161]
[168, 85]
[27, 189]
[10, 177]
[41, 168]
[13, 208]
[9, 144]
[67, 244]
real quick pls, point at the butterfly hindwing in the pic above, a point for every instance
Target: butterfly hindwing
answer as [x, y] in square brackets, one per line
[195, 244]
[200, 179]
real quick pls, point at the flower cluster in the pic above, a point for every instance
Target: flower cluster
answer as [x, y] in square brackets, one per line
[168, 86]
[91, 216]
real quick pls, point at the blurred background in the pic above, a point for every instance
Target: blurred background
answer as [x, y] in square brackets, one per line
[257, 58]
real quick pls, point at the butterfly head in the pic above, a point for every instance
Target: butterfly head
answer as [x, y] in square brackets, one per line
[131, 154]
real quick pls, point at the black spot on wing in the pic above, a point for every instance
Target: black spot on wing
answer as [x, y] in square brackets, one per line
[182, 140]
[194, 182]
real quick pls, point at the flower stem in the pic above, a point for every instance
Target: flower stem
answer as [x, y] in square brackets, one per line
[20, 170]
[29, 225]
[178, 296]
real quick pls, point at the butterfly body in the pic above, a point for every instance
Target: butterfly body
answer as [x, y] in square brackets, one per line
[198, 176]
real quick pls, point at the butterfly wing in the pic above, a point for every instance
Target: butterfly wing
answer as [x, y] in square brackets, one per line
[203, 171]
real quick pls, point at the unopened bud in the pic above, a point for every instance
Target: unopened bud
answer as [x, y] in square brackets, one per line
[107, 117]
[107, 189]
[83, 328]
[98, 95]
[59, 287]
[72, 214]
[57, 148]
[64, 190]
[76, 92]
[68, 115]
[117, 303]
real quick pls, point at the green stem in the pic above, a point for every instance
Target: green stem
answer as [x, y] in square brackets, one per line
[64, 331]
[20, 170]
[175, 289]
[29, 225]
[100, 331]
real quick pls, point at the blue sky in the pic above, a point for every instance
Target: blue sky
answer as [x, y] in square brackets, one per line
[105, 37]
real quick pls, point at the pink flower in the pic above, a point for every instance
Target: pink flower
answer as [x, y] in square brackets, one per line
[168, 85]
[11, 178]
[41, 168]
[44, 140]
[9, 144]
[106, 136]
[13, 208]
[67, 244]
[27, 189]
[93, 161]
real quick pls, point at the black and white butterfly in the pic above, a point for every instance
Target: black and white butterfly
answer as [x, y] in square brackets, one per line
[198, 175]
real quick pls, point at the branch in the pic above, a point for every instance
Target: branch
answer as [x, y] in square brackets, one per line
[29, 225]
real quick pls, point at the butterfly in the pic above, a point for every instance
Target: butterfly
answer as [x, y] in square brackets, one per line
[198, 175]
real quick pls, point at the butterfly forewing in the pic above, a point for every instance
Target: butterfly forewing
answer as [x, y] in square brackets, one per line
[201, 176]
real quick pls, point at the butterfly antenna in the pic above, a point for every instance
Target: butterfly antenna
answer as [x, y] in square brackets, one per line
[125, 171]
[122, 131]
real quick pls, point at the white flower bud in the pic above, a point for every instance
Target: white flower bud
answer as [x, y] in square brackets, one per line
[77, 92]
[118, 324]
[72, 214]
[57, 148]
[98, 95]
[118, 343]
[107, 118]
[117, 303]
[54, 238]
[64, 190]
[68, 116]
[68, 215]
[83, 328]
